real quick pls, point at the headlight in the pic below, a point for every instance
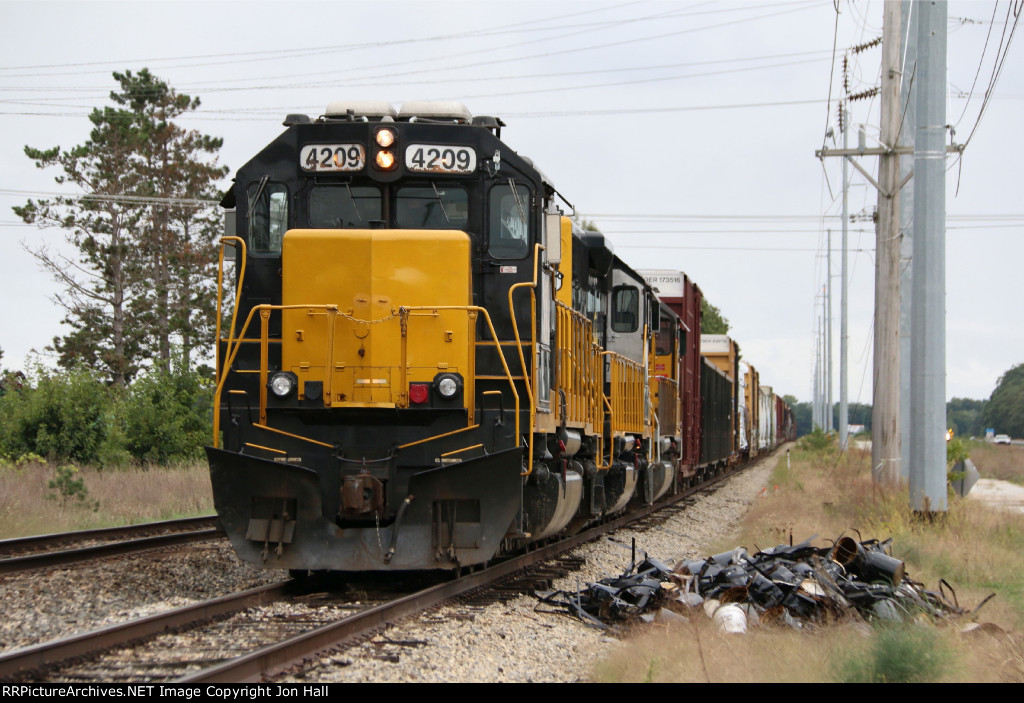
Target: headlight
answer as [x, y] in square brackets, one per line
[385, 160]
[282, 383]
[447, 385]
[385, 138]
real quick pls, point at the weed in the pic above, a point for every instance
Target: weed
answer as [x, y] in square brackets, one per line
[817, 441]
[899, 653]
[649, 675]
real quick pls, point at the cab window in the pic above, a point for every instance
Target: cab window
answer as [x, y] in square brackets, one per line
[343, 207]
[508, 229]
[268, 216]
[625, 309]
[433, 207]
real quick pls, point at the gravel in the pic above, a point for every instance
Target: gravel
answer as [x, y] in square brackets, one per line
[47, 604]
[517, 642]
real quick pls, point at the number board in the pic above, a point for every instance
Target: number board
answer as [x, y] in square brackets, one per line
[437, 158]
[332, 157]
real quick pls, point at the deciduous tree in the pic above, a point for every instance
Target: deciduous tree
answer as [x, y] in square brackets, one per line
[711, 319]
[1005, 409]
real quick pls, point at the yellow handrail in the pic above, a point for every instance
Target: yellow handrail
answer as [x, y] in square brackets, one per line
[332, 311]
[234, 314]
[628, 407]
[530, 390]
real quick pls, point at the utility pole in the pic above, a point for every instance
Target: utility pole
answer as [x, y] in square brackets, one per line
[928, 318]
[816, 391]
[885, 420]
[908, 98]
[844, 416]
[828, 338]
[885, 414]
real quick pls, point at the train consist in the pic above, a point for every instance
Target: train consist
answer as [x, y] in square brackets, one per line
[428, 365]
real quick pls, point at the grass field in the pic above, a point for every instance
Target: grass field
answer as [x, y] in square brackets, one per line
[1002, 461]
[40, 498]
[975, 548]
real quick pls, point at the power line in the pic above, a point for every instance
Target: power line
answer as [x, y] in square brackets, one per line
[275, 54]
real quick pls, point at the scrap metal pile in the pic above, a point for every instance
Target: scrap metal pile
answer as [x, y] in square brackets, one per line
[790, 584]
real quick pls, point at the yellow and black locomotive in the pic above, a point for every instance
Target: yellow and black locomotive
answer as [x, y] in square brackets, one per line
[426, 364]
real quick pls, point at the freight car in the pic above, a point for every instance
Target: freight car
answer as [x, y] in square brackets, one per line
[428, 364]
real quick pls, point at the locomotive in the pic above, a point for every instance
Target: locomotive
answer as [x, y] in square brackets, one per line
[427, 364]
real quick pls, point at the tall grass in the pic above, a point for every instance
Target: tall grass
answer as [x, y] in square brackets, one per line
[817, 490]
[30, 505]
[1005, 462]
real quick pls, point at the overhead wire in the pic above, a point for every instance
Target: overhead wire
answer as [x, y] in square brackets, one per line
[277, 54]
[616, 23]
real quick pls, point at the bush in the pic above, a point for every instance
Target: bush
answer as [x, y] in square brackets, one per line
[67, 415]
[899, 653]
[817, 441]
[167, 414]
[75, 416]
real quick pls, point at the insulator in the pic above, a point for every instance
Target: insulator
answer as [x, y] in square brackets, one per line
[864, 95]
[868, 45]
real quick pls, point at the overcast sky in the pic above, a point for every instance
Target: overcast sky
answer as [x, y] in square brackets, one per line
[685, 130]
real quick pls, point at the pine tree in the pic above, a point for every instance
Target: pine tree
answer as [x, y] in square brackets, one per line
[142, 274]
[177, 240]
[100, 280]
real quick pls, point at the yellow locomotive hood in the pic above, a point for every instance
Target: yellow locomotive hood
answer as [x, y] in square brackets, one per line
[397, 294]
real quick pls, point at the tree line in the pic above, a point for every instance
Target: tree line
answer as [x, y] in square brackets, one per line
[1003, 411]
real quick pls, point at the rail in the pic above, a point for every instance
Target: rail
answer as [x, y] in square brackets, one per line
[626, 395]
[530, 388]
[404, 315]
[578, 368]
[667, 393]
[222, 370]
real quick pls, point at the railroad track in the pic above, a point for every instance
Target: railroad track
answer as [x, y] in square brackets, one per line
[65, 548]
[248, 636]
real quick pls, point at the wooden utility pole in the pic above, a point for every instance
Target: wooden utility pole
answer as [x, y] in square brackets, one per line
[885, 414]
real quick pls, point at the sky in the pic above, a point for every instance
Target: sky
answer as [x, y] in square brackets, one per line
[685, 130]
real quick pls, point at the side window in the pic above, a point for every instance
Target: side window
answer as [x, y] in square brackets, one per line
[665, 339]
[343, 207]
[435, 207]
[508, 229]
[268, 217]
[625, 309]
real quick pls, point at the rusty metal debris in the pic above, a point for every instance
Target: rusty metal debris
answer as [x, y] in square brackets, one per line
[793, 585]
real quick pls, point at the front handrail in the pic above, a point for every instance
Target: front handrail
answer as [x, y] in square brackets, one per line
[222, 374]
[264, 310]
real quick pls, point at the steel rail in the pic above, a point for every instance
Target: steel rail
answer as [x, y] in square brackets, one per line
[294, 650]
[207, 529]
[40, 541]
[46, 655]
